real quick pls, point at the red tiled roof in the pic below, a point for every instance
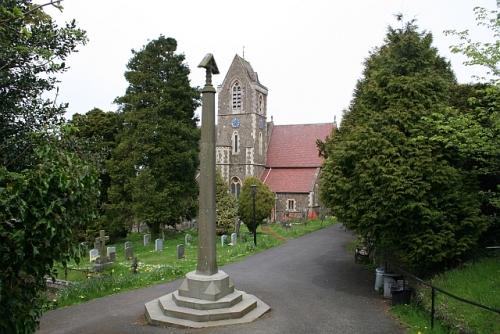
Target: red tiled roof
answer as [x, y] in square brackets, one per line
[290, 180]
[295, 145]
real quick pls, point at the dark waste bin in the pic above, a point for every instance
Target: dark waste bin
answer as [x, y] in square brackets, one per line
[401, 296]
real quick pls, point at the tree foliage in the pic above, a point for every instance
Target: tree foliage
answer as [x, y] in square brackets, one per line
[153, 167]
[43, 209]
[485, 54]
[32, 50]
[386, 175]
[264, 202]
[96, 136]
[47, 192]
[226, 206]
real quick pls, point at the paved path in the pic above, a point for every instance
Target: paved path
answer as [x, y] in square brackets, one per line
[311, 284]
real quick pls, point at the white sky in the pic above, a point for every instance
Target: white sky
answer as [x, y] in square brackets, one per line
[309, 54]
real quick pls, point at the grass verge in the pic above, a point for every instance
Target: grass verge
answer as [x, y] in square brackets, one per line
[479, 281]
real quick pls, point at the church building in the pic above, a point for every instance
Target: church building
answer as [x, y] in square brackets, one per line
[284, 157]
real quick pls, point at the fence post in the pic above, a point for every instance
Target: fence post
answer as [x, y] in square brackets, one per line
[433, 311]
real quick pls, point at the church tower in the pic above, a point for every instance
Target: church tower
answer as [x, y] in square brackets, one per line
[242, 136]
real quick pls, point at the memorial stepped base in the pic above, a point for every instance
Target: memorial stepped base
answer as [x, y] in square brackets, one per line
[220, 304]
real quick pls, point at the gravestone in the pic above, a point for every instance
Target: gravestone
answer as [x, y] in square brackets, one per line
[146, 239]
[223, 240]
[234, 239]
[111, 253]
[180, 251]
[94, 254]
[158, 245]
[127, 244]
[187, 239]
[101, 243]
[129, 252]
[237, 227]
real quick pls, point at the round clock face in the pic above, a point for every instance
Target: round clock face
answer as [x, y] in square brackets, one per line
[235, 123]
[262, 123]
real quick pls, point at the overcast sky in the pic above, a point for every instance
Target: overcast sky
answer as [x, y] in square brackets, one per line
[309, 54]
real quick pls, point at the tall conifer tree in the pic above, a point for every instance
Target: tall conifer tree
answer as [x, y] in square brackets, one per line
[386, 176]
[154, 166]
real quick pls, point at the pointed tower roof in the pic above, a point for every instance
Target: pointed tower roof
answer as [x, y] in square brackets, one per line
[252, 75]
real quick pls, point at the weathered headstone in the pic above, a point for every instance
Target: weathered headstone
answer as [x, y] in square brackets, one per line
[234, 239]
[146, 239]
[187, 239]
[237, 227]
[127, 244]
[158, 245]
[129, 252]
[223, 240]
[180, 251]
[111, 253]
[94, 254]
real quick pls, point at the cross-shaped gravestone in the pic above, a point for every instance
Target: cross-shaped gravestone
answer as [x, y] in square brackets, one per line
[100, 241]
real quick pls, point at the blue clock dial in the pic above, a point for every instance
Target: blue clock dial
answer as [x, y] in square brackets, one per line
[235, 123]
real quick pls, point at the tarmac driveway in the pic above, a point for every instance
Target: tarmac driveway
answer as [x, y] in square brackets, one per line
[311, 284]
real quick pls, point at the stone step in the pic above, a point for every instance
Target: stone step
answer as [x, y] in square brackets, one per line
[155, 316]
[200, 304]
[169, 307]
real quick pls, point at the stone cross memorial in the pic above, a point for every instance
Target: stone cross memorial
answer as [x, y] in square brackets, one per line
[158, 245]
[180, 251]
[146, 239]
[100, 241]
[234, 239]
[207, 296]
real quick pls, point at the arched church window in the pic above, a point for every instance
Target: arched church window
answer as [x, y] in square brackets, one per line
[235, 186]
[236, 143]
[260, 143]
[236, 97]
[260, 106]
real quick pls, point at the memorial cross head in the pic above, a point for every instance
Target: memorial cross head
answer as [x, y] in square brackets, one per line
[209, 64]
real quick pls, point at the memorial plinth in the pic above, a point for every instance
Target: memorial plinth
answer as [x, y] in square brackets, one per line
[207, 296]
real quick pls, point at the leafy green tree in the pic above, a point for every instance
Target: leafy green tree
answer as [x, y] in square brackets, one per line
[474, 132]
[96, 138]
[32, 50]
[226, 206]
[47, 192]
[264, 203]
[385, 175]
[485, 54]
[153, 167]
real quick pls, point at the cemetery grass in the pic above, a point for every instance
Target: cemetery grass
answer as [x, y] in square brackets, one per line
[479, 281]
[161, 267]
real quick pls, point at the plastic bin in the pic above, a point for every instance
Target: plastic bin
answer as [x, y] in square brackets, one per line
[379, 279]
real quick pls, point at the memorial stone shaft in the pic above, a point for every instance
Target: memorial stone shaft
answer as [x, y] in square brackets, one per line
[207, 258]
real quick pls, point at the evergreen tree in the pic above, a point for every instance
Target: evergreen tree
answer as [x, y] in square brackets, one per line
[386, 176]
[153, 167]
[226, 208]
[96, 137]
[264, 202]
